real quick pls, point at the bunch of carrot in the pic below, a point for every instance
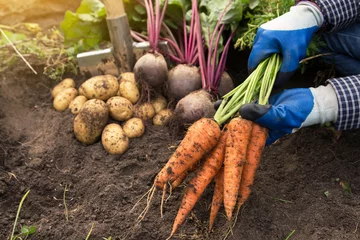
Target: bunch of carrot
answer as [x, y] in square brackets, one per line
[230, 155]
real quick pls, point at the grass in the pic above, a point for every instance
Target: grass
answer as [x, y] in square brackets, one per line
[64, 200]
[89, 234]
[25, 230]
[289, 236]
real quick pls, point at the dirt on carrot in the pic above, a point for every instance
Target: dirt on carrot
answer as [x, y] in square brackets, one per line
[203, 177]
[200, 138]
[235, 154]
[253, 157]
[218, 197]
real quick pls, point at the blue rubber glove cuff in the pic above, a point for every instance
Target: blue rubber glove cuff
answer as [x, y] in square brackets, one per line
[293, 109]
[289, 35]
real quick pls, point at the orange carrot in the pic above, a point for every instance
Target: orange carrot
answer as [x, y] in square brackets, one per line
[182, 176]
[239, 131]
[255, 149]
[179, 180]
[200, 138]
[203, 176]
[218, 197]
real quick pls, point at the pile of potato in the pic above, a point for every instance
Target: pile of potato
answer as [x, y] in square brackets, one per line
[102, 97]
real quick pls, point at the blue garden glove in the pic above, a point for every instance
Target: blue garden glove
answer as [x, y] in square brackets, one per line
[293, 109]
[289, 35]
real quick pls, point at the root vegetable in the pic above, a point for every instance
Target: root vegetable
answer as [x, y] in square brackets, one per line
[200, 138]
[100, 87]
[163, 117]
[253, 157]
[90, 121]
[63, 99]
[152, 69]
[203, 176]
[64, 84]
[145, 111]
[226, 84]
[134, 127]
[159, 103]
[114, 139]
[237, 142]
[129, 91]
[127, 76]
[194, 106]
[182, 80]
[120, 108]
[218, 197]
[77, 104]
[183, 176]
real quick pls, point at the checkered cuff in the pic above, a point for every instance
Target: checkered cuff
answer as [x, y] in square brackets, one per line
[348, 93]
[337, 13]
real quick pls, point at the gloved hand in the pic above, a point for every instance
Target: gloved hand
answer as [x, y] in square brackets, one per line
[293, 109]
[289, 35]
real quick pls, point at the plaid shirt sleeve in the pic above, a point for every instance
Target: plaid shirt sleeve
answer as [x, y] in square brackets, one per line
[338, 13]
[348, 93]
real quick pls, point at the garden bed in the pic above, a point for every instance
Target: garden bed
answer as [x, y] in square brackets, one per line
[298, 185]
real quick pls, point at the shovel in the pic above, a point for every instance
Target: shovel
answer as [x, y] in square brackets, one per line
[123, 54]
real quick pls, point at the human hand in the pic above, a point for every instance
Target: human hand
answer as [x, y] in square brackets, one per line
[288, 35]
[293, 109]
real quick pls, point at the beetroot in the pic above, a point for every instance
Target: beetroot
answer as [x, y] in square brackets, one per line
[194, 106]
[226, 84]
[182, 80]
[152, 69]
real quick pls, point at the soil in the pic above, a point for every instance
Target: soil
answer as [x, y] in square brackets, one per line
[300, 185]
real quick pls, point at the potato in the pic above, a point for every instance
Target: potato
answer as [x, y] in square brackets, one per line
[145, 111]
[128, 76]
[120, 108]
[64, 84]
[63, 99]
[134, 127]
[129, 91]
[100, 87]
[90, 121]
[159, 103]
[77, 104]
[114, 139]
[163, 117]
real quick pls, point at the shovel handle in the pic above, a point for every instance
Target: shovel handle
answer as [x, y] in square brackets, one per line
[114, 8]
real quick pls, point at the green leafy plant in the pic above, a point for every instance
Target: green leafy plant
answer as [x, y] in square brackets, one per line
[85, 28]
[257, 13]
[25, 231]
[212, 10]
[33, 42]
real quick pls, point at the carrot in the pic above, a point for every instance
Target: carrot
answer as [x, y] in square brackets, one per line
[255, 149]
[203, 176]
[218, 197]
[182, 176]
[200, 138]
[235, 154]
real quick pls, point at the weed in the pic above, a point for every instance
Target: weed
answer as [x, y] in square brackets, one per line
[25, 230]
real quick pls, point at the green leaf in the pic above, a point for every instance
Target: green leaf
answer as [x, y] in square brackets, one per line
[28, 230]
[90, 7]
[86, 27]
[345, 186]
[176, 9]
[211, 11]
[253, 4]
[13, 37]
[214, 8]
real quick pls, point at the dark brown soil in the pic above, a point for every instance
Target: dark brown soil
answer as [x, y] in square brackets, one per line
[38, 151]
